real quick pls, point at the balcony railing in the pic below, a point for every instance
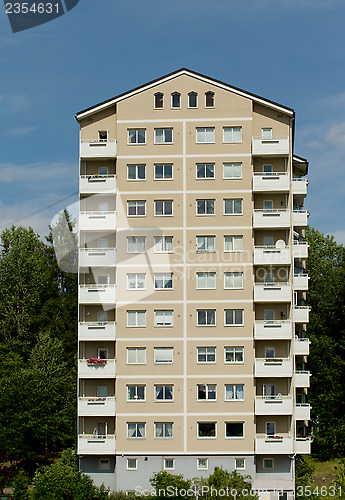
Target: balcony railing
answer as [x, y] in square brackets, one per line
[93, 257]
[272, 181]
[90, 444]
[302, 378]
[301, 346]
[88, 370]
[273, 405]
[97, 183]
[275, 444]
[273, 255]
[97, 294]
[271, 218]
[272, 330]
[300, 281]
[302, 411]
[97, 149]
[97, 220]
[300, 249]
[272, 292]
[273, 367]
[274, 146]
[301, 314]
[303, 445]
[97, 330]
[95, 406]
[299, 185]
[300, 218]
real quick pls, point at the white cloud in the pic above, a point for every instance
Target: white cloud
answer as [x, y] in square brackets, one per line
[41, 175]
[14, 102]
[336, 135]
[19, 131]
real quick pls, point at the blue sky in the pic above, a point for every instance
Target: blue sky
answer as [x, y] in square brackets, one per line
[290, 51]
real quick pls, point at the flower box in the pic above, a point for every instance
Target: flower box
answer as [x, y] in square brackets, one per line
[96, 361]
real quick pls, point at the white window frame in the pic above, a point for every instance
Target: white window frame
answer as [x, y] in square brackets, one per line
[206, 214]
[135, 437]
[163, 178]
[206, 315]
[137, 178]
[198, 464]
[206, 354]
[234, 237]
[169, 468]
[136, 464]
[234, 351]
[234, 392]
[232, 275]
[232, 133]
[169, 361]
[171, 102]
[164, 134]
[237, 467]
[136, 238]
[136, 281]
[136, 208]
[166, 278]
[206, 130]
[205, 166]
[163, 241]
[136, 134]
[105, 466]
[232, 164]
[207, 392]
[164, 400]
[164, 208]
[136, 315]
[235, 437]
[206, 241]
[206, 437]
[208, 275]
[234, 315]
[164, 424]
[269, 135]
[136, 399]
[233, 205]
[136, 349]
[163, 313]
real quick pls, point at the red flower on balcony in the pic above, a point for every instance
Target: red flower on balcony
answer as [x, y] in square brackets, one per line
[96, 361]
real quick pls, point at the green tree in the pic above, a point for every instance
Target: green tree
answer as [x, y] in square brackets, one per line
[233, 483]
[164, 482]
[20, 487]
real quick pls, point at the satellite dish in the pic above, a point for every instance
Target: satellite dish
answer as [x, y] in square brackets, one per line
[280, 244]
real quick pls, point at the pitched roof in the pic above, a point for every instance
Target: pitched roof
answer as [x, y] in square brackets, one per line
[174, 74]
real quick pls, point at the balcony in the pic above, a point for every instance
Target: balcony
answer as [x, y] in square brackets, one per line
[272, 292]
[97, 330]
[271, 219]
[302, 378]
[302, 411]
[301, 347]
[274, 146]
[273, 181]
[273, 405]
[97, 149]
[93, 257]
[93, 406]
[301, 314]
[89, 444]
[272, 330]
[274, 445]
[264, 255]
[300, 281]
[88, 370]
[303, 445]
[300, 249]
[300, 218]
[273, 367]
[97, 221]
[97, 294]
[299, 185]
[97, 184]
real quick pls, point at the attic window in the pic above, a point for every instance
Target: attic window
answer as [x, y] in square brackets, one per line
[102, 135]
[209, 99]
[192, 100]
[159, 100]
[175, 100]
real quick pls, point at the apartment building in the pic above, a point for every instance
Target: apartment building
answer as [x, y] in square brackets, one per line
[192, 286]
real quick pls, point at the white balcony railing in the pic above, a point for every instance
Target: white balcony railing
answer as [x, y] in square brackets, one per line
[97, 294]
[89, 444]
[96, 220]
[303, 445]
[97, 149]
[274, 146]
[301, 346]
[89, 370]
[93, 406]
[97, 183]
[271, 218]
[273, 367]
[299, 185]
[302, 378]
[300, 281]
[272, 292]
[273, 181]
[300, 249]
[93, 257]
[273, 405]
[272, 330]
[301, 314]
[97, 330]
[272, 255]
[300, 218]
[302, 411]
[277, 444]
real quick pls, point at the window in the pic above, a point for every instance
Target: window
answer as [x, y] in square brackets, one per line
[268, 169]
[233, 207]
[136, 355]
[206, 429]
[270, 428]
[175, 100]
[163, 207]
[163, 281]
[269, 315]
[239, 464]
[136, 136]
[207, 392]
[136, 208]
[104, 464]
[206, 354]
[202, 463]
[102, 353]
[205, 170]
[102, 317]
[233, 280]
[232, 170]
[103, 171]
[234, 392]
[132, 464]
[163, 135]
[136, 318]
[136, 172]
[103, 207]
[205, 243]
[163, 244]
[232, 134]
[163, 429]
[101, 391]
[164, 392]
[233, 317]
[269, 352]
[136, 430]
[164, 318]
[234, 429]
[209, 99]
[136, 244]
[268, 463]
[267, 133]
[103, 135]
[268, 205]
[234, 354]
[205, 280]
[268, 241]
[136, 392]
[163, 171]
[233, 243]
[192, 100]
[205, 135]
[205, 207]
[136, 281]
[206, 317]
[163, 355]
[169, 464]
[159, 100]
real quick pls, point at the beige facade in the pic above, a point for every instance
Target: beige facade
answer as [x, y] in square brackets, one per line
[192, 284]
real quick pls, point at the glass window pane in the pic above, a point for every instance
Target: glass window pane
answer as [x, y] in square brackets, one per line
[200, 135]
[159, 135]
[237, 134]
[141, 136]
[210, 135]
[168, 135]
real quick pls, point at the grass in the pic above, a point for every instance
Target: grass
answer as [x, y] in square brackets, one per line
[324, 471]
